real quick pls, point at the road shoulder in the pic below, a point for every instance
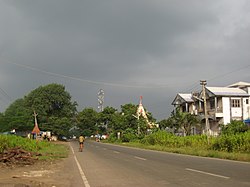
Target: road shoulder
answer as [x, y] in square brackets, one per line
[58, 173]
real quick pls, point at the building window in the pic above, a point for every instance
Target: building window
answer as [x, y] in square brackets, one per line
[247, 101]
[235, 103]
[212, 103]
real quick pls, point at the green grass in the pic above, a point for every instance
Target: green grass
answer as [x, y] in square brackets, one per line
[192, 151]
[48, 150]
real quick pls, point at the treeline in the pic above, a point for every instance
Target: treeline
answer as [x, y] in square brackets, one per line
[58, 113]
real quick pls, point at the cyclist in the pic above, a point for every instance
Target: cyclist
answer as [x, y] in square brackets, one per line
[81, 140]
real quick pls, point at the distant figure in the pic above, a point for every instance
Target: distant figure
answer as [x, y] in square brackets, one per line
[81, 141]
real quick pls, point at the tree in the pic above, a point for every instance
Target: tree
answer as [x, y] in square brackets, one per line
[163, 124]
[128, 111]
[3, 123]
[183, 120]
[51, 100]
[53, 104]
[106, 119]
[17, 117]
[87, 121]
[59, 126]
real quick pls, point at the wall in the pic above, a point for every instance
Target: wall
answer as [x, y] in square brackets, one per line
[246, 109]
[226, 110]
[236, 112]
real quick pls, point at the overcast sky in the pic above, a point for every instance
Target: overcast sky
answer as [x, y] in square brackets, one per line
[128, 48]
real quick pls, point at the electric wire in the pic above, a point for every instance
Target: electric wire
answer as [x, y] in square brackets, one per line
[189, 88]
[5, 94]
[84, 80]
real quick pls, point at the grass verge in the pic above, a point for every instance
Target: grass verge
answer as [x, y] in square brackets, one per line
[192, 151]
[47, 150]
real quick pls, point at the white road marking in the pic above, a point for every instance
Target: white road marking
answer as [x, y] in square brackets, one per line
[85, 181]
[203, 172]
[104, 148]
[140, 158]
[116, 152]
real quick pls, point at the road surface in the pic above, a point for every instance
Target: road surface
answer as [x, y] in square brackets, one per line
[106, 165]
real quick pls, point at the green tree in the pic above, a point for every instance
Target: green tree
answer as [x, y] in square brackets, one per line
[53, 104]
[117, 123]
[132, 122]
[17, 116]
[87, 121]
[106, 119]
[183, 120]
[59, 126]
[128, 111]
[51, 100]
[3, 123]
[163, 124]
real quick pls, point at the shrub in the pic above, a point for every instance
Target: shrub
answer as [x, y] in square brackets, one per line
[11, 141]
[239, 142]
[234, 127]
[128, 137]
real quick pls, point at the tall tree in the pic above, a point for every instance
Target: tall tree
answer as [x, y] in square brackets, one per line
[129, 112]
[87, 121]
[51, 100]
[52, 103]
[106, 119]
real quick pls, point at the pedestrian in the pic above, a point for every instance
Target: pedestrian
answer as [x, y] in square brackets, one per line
[81, 141]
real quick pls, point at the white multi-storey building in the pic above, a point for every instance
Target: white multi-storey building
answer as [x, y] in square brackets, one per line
[224, 104]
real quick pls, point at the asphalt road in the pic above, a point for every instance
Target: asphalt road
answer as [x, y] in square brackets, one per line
[106, 165]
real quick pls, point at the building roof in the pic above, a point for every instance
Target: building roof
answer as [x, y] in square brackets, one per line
[239, 84]
[36, 130]
[186, 97]
[182, 98]
[225, 91]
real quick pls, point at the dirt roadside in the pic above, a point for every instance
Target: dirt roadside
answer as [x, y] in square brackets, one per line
[57, 173]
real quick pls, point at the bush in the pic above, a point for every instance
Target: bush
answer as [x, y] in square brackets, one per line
[128, 137]
[112, 138]
[234, 127]
[12, 141]
[239, 142]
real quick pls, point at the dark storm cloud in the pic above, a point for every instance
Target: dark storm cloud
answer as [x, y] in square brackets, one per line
[130, 43]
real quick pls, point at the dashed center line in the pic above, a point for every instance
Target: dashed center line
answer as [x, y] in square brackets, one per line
[206, 173]
[140, 158]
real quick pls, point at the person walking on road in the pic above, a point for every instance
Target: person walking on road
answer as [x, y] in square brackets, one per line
[81, 141]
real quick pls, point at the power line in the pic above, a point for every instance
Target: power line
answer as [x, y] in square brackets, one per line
[85, 80]
[5, 94]
[193, 86]
[225, 74]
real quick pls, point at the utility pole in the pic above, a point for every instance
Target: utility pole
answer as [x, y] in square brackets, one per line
[207, 128]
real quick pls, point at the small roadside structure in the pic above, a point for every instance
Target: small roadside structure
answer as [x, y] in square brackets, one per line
[36, 131]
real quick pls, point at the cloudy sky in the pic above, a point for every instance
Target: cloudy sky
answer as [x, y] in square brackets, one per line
[128, 48]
